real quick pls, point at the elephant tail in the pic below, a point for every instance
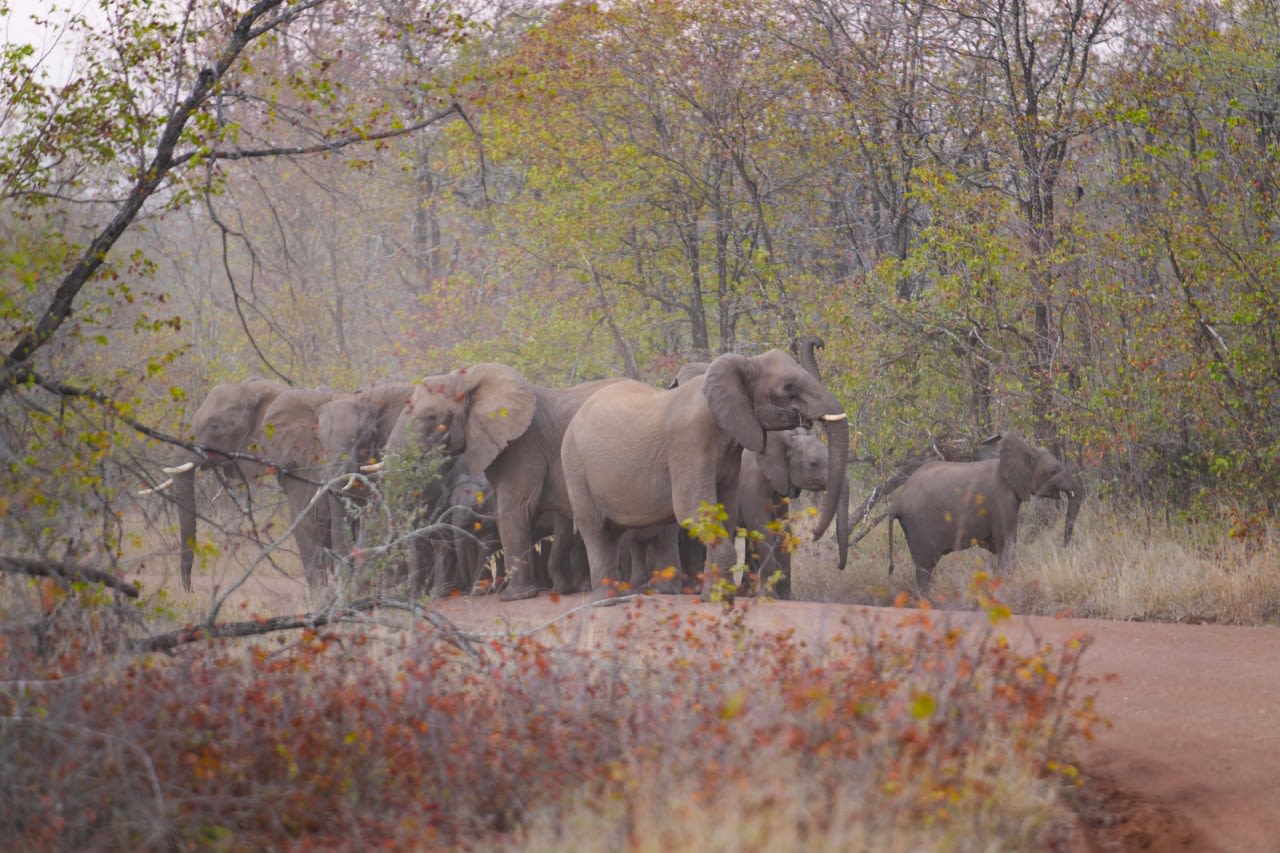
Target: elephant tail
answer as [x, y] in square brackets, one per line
[892, 518]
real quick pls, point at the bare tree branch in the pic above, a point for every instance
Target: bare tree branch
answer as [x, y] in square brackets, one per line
[65, 571]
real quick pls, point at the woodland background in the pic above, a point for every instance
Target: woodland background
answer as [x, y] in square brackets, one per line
[1057, 218]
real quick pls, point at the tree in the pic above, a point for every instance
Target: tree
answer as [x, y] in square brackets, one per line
[162, 105]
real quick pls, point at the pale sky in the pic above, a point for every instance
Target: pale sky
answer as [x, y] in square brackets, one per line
[54, 48]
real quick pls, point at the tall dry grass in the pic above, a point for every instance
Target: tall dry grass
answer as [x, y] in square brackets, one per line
[1123, 563]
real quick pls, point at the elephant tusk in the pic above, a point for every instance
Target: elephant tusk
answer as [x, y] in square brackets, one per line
[373, 468]
[833, 418]
[180, 469]
[160, 488]
[351, 481]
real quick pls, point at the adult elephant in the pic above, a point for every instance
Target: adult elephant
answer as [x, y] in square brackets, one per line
[291, 443]
[636, 456]
[950, 506]
[511, 430]
[224, 430]
[353, 430]
[792, 461]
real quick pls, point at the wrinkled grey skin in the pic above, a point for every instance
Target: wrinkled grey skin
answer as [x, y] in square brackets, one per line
[510, 430]
[642, 551]
[472, 533]
[636, 456]
[291, 443]
[950, 506]
[353, 430]
[229, 421]
[792, 461]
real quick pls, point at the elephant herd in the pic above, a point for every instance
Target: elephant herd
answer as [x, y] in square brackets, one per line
[604, 471]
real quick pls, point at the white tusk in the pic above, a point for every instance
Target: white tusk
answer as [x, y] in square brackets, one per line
[160, 488]
[375, 468]
[832, 418]
[351, 481]
[181, 469]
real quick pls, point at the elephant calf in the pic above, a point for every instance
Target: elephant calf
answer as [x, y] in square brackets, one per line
[950, 506]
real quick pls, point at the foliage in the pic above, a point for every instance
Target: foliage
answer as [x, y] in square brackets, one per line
[346, 737]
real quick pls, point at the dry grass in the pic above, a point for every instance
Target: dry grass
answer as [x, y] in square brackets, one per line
[1121, 564]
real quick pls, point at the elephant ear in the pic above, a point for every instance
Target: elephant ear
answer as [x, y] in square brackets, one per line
[727, 392]
[775, 463]
[1017, 464]
[687, 373]
[501, 409]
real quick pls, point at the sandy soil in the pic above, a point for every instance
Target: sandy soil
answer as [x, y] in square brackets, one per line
[1190, 762]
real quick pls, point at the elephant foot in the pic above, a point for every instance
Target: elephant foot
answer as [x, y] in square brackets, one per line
[519, 593]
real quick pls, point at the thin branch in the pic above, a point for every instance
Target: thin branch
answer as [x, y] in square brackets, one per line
[327, 147]
[41, 568]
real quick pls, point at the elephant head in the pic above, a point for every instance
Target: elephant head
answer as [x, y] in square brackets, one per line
[1036, 472]
[227, 423]
[474, 411]
[794, 461]
[751, 396]
[355, 428]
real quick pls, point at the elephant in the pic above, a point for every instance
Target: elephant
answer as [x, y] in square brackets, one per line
[353, 430]
[636, 456]
[792, 460]
[950, 506]
[471, 533]
[223, 434]
[291, 443]
[511, 430]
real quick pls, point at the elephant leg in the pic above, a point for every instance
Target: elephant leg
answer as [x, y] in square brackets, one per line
[693, 554]
[722, 555]
[515, 529]
[567, 558]
[421, 567]
[664, 556]
[339, 531]
[782, 588]
[924, 578]
[310, 530]
[578, 573]
[602, 542]
[1004, 557]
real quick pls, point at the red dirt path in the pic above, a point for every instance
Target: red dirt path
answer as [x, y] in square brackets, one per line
[1191, 761]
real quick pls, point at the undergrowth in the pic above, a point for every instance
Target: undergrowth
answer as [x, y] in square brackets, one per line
[657, 729]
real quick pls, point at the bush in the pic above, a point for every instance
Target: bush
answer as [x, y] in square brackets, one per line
[644, 737]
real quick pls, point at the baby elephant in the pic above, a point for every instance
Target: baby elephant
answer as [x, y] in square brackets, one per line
[950, 506]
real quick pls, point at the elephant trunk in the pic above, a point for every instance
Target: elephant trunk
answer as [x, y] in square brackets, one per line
[1075, 497]
[842, 523]
[804, 349]
[184, 494]
[837, 427]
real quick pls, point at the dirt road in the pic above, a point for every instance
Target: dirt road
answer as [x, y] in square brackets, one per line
[1191, 761]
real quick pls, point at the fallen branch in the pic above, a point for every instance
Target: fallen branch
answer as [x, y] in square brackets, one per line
[65, 571]
[463, 640]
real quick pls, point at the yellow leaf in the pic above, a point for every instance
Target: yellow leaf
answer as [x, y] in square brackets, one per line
[923, 706]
